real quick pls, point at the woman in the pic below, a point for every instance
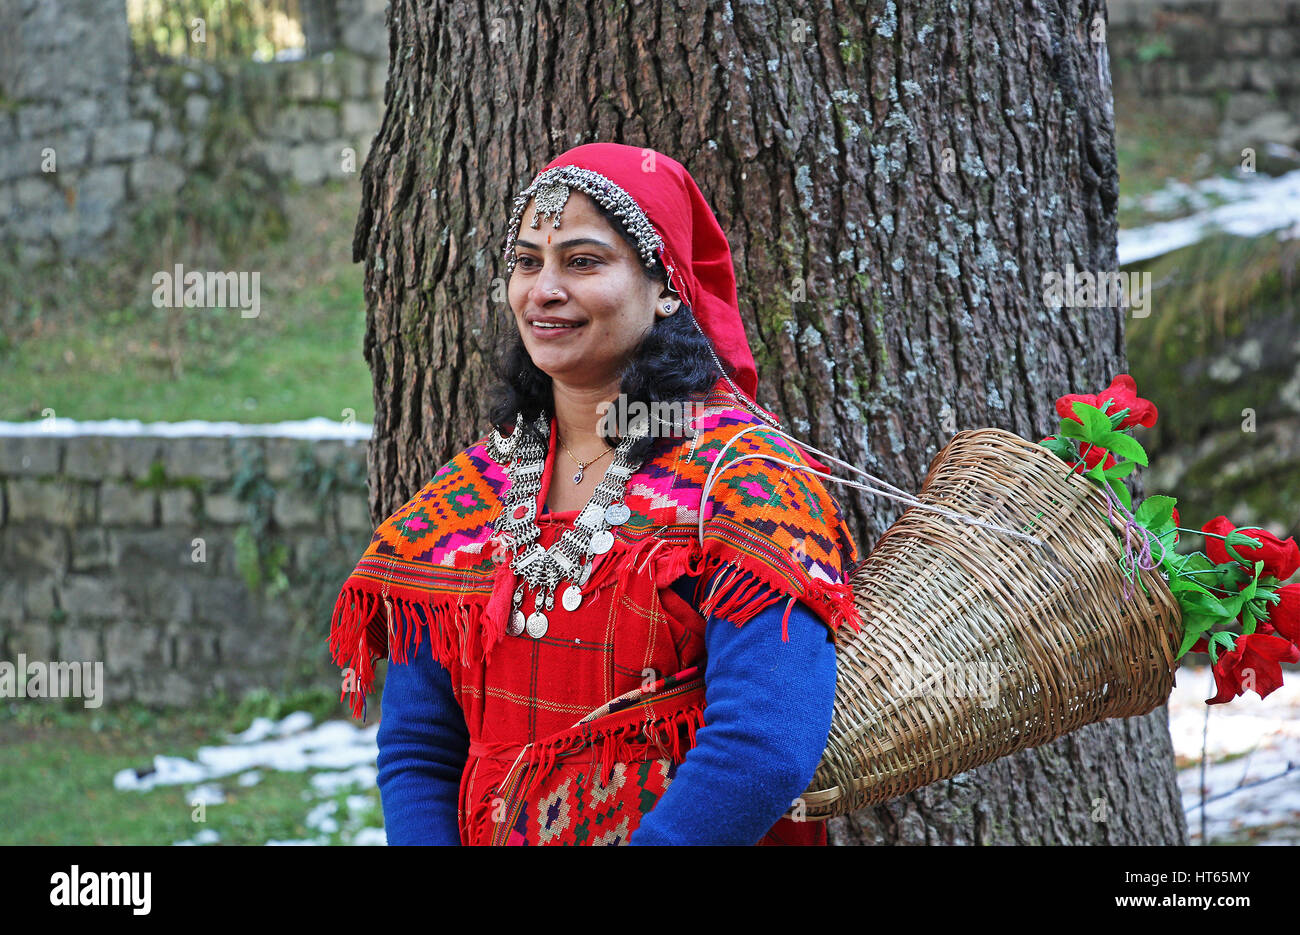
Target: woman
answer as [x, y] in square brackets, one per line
[597, 672]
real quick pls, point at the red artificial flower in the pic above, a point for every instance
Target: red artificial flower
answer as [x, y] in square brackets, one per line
[1255, 660]
[1122, 393]
[1091, 455]
[1281, 557]
[1177, 522]
[1284, 616]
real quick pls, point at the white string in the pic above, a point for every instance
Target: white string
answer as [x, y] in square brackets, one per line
[900, 495]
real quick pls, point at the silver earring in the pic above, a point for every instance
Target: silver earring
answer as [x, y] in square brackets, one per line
[668, 309]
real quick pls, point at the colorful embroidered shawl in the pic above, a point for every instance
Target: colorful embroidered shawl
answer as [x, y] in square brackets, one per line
[522, 697]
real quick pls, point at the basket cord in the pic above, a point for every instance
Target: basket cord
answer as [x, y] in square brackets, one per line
[1134, 559]
[898, 494]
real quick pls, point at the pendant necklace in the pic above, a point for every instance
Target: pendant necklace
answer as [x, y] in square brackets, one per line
[577, 478]
[572, 556]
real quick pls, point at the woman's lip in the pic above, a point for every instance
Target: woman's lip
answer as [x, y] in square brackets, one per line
[553, 332]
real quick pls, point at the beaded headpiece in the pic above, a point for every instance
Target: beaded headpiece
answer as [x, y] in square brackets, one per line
[551, 189]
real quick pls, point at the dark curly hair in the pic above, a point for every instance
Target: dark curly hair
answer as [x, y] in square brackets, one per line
[672, 363]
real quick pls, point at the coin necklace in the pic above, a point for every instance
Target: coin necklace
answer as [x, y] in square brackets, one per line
[572, 556]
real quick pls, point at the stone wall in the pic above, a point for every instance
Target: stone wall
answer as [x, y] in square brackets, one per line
[1234, 62]
[142, 553]
[85, 136]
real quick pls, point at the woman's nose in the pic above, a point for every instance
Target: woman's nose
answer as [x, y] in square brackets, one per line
[546, 286]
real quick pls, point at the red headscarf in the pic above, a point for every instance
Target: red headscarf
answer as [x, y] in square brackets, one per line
[694, 246]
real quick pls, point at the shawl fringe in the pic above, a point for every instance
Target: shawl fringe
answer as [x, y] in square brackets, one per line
[832, 602]
[465, 626]
[360, 636]
[619, 742]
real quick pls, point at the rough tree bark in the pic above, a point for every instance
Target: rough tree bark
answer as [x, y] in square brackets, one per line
[894, 180]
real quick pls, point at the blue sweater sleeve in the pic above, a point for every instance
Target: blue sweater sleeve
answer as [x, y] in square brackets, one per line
[768, 707]
[423, 746]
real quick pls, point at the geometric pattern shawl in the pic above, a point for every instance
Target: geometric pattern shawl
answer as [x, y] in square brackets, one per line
[778, 523]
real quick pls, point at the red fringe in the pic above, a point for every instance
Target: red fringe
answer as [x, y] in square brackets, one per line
[498, 609]
[832, 602]
[467, 629]
[360, 635]
[614, 744]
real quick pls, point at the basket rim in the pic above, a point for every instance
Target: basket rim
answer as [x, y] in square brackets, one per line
[1095, 497]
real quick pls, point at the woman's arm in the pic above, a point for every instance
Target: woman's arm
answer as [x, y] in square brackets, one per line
[768, 707]
[423, 746]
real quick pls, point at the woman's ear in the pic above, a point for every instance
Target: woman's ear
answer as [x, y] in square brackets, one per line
[668, 303]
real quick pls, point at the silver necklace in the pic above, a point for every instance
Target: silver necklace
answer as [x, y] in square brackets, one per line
[571, 557]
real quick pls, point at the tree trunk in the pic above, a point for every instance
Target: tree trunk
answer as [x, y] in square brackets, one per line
[894, 183]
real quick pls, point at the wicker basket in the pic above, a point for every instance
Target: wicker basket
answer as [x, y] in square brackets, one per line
[977, 644]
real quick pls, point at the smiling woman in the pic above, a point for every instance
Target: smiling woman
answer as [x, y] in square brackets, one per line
[682, 691]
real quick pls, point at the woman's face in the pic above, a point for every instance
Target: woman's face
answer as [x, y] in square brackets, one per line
[583, 273]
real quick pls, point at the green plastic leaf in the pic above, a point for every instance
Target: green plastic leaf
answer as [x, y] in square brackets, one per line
[1173, 564]
[1195, 602]
[1059, 447]
[1197, 561]
[1156, 511]
[1092, 419]
[1071, 429]
[1157, 514]
[1122, 469]
[1124, 446]
[1232, 605]
[1193, 626]
[1179, 585]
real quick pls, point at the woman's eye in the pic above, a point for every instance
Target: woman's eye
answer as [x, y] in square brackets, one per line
[528, 262]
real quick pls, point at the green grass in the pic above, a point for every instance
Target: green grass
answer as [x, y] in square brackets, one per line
[86, 341]
[1154, 144]
[57, 784]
